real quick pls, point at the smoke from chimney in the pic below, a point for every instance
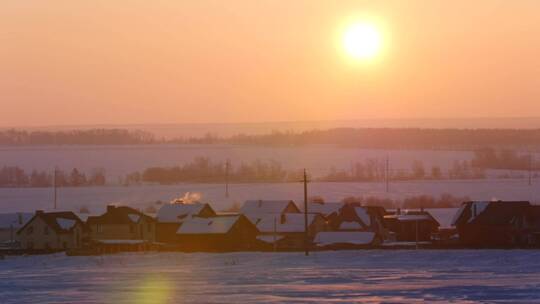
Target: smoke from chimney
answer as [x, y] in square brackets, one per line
[188, 198]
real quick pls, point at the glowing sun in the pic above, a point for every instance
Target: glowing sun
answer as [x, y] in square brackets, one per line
[362, 41]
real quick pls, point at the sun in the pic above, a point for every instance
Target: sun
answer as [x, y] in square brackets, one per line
[362, 41]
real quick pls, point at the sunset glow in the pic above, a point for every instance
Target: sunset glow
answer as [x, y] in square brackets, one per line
[362, 41]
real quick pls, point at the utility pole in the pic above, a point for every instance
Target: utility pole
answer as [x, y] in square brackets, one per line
[387, 174]
[227, 166]
[306, 236]
[530, 169]
[54, 186]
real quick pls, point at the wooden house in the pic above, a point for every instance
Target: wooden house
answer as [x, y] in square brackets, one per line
[52, 231]
[217, 234]
[412, 226]
[170, 217]
[498, 224]
[122, 226]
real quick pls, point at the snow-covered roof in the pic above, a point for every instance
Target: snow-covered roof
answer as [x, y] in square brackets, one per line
[211, 225]
[266, 207]
[270, 238]
[174, 213]
[363, 215]
[325, 208]
[293, 222]
[15, 220]
[65, 223]
[443, 215]
[477, 208]
[344, 237]
[134, 217]
[350, 225]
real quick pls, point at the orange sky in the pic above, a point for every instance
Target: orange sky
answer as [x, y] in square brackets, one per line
[138, 61]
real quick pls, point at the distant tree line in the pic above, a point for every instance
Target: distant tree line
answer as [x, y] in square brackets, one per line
[376, 170]
[203, 169]
[383, 138]
[503, 159]
[15, 177]
[14, 137]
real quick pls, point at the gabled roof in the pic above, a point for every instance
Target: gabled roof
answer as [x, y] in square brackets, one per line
[490, 213]
[412, 216]
[176, 212]
[268, 207]
[325, 209]
[285, 223]
[118, 215]
[60, 222]
[210, 225]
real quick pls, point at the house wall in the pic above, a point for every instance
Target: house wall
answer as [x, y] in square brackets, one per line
[144, 230]
[35, 236]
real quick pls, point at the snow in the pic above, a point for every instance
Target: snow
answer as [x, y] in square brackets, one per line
[65, 224]
[363, 215]
[270, 238]
[443, 215]
[211, 225]
[175, 213]
[134, 217]
[477, 208]
[356, 276]
[349, 225]
[344, 237]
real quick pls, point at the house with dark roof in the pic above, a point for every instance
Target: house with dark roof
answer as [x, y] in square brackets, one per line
[171, 216]
[287, 231]
[411, 225]
[9, 224]
[122, 226]
[218, 233]
[52, 231]
[498, 224]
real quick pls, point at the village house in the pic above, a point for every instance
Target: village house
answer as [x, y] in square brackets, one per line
[217, 234]
[122, 227]
[411, 226]
[257, 209]
[52, 231]
[287, 231]
[498, 224]
[9, 224]
[170, 216]
[329, 210]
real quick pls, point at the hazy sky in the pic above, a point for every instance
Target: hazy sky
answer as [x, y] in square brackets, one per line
[88, 62]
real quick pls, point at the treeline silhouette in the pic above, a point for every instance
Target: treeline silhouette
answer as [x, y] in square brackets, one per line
[15, 177]
[376, 170]
[412, 202]
[382, 138]
[203, 169]
[14, 137]
[504, 159]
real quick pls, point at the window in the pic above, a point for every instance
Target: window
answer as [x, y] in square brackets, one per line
[99, 228]
[46, 230]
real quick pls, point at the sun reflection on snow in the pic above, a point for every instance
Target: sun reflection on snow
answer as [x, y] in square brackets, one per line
[154, 289]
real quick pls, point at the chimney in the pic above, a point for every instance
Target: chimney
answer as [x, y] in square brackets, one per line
[39, 212]
[110, 208]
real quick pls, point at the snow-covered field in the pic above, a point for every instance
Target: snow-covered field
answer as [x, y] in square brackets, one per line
[30, 199]
[369, 276]
[120, 160]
